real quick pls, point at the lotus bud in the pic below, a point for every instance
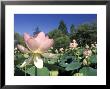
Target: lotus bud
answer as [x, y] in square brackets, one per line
[84, 62]
[22, 49]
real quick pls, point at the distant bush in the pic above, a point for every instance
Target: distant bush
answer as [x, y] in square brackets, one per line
[62, 42]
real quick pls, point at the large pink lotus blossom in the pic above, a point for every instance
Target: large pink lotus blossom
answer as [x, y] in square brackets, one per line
[37, 45]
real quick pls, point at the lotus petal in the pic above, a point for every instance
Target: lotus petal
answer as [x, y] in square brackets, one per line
[26, 62]
[32, 44]
[38, 62]
[26, 37]
[40, 36]
[22, 49]
[46, 44]
[38, 42]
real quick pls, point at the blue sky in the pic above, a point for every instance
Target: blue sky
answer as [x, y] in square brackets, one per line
[48, 22]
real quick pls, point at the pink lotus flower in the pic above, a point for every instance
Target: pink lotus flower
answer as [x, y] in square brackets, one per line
[73, 44]
[87, 52]
[39, 43]
[36, 45]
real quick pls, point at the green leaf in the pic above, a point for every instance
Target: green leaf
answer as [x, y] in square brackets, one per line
[81, 50]
[73, 66]
[52, 61]
[93, 59]
[26, 55]
[78, 74]
[18, 59]
[32, 71]
[88, 71]
[50, 55]
[19, 56]
[66, 60]
[18, 72]
[43, 72]
[51, 66]
[54, 73]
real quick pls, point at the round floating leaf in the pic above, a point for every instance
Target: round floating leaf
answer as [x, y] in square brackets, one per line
[43, 72]
[81, 50]
[93, 59]
[32, 71]
[18, 59]
[65, 61]
[73, 66]
[88, 71]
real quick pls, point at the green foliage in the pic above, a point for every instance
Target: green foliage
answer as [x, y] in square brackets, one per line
[72, 29]
[55, 34]
[93, 59]
[36, 31]
[60, 39]
[54, 73]
[32, 71]
[66, 60]
[62, 42]
[86, 37]
[73, 66]
[62, 27]
[86, 34]
[18, 39]
[88, 71]
[18, 72]
[84, 27]
[68, 63]
[43, 72]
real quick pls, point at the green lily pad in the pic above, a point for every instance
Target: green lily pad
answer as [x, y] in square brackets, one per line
[32, 71]
[93, 59]
[43, 72]
[66, 60]
[73, 66]
[88, 71]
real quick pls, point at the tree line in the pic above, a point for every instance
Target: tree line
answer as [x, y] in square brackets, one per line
[84, 34]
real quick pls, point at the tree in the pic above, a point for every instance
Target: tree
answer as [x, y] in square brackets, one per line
[72, 29]
[84, 27]
[86, 34]
[93, 26]
[60, 39]
[55, 34]
[18, 39]
[61, 42]
[62, 27]
[36, 31]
